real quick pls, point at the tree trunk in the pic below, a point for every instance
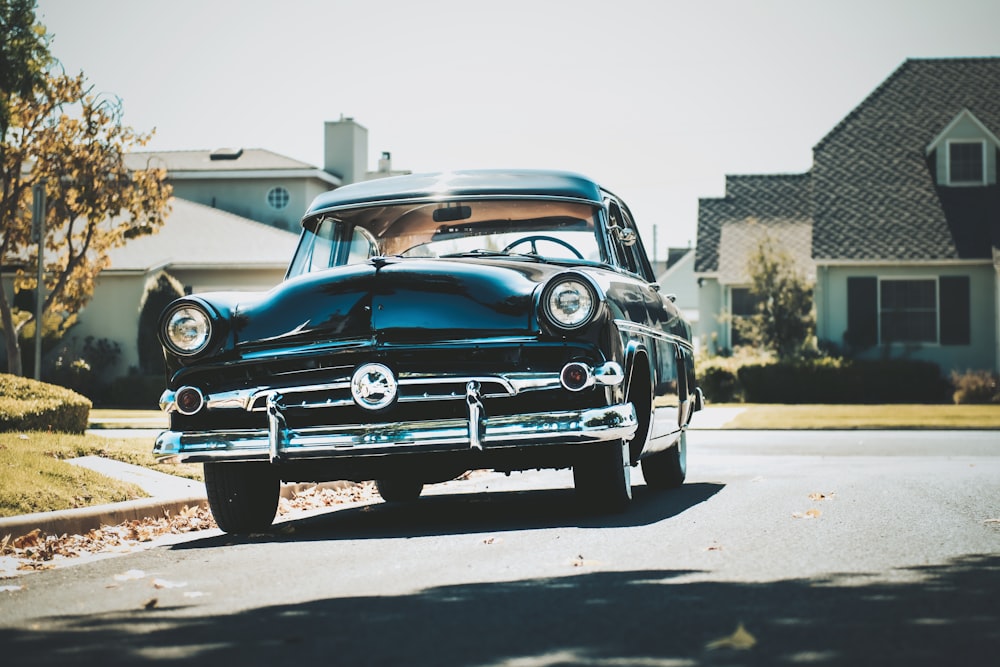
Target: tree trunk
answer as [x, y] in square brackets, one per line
[10, 335]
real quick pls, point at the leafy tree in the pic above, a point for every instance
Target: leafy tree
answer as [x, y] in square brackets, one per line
[783, 321]
[62, 135]
[24, 54]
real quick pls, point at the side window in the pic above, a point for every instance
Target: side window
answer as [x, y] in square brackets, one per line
[362, 246]
[629, 256]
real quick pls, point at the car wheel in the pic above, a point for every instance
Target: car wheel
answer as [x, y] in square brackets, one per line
[243, 497]
[667, 469]
[399, 490]
[603, 477]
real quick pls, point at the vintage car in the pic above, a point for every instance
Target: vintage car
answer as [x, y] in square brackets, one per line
[431, 325]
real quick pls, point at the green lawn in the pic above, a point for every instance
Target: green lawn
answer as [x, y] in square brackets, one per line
[864, 416]
[35, 477]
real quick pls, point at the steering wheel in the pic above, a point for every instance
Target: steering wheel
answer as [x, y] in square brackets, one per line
[541, 237]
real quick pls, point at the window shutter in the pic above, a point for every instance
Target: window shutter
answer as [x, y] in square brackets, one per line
[955, 312]
[862, 312]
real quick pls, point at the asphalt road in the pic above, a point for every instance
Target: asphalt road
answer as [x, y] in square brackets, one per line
[827, 548]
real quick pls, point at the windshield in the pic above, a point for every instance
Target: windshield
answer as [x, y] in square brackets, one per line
[539, 230]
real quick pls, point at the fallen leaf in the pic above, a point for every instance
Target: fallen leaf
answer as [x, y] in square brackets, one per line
[715, 546]
[821, 496]
[580, 561]
[741, 640]
[808, 514]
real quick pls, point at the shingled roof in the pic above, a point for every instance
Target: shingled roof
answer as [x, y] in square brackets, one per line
[874, 188]
[770, 199]
[871, 193]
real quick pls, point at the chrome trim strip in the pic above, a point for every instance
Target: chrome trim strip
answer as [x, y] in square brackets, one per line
[538, 429]
[625, 325]
[254, 398]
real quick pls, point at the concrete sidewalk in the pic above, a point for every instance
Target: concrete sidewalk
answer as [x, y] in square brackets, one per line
[169, 494]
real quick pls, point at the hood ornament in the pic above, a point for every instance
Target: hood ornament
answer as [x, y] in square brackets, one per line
[373, 386]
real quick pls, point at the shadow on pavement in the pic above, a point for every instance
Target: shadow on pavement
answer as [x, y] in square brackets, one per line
[934, 615]
[472, 513]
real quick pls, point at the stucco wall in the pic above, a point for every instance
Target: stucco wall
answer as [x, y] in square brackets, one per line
[981, 353]
[248, 197]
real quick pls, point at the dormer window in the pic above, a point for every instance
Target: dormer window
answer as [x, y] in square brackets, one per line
[964, 153]
[966, 162]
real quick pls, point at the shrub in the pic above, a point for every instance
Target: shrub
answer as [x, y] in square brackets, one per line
[160, 291]
[976, 387]
[136, 391]
[828, 380]
[29, 405]
[84, 372]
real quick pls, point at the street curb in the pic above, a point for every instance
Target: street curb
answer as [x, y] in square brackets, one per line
[82, 520]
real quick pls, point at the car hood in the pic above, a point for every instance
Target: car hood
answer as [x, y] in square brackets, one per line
[397, 300]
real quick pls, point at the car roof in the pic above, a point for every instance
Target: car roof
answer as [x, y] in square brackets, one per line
[470, 184]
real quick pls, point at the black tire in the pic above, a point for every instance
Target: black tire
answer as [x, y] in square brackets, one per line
[667, 469]
[399, 489]
[243, 497]
[603, 479]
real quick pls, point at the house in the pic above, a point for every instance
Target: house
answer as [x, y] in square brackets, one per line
[264, 186]
[900, 213]
[233, 226]
[677, 279]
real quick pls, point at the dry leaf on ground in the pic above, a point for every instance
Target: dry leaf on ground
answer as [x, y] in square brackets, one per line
[740, 640]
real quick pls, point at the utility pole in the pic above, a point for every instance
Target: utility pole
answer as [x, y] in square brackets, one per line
[38, 208]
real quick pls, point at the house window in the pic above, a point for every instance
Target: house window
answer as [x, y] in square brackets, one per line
[966, 162]
[743, 305]
[278, 197]
[927, 310]
[908, 311]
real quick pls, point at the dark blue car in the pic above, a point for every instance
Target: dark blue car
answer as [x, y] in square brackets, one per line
[430, 325]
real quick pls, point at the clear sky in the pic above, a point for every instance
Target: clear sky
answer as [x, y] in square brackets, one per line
[657, 99]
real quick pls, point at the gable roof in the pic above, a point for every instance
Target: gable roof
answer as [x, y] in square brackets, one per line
[200, 236]
[740, 239]
[875, 196]
[232, 163]
[774, 198]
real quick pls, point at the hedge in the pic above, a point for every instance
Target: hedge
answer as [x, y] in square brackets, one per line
[29, 405]
[871, 382]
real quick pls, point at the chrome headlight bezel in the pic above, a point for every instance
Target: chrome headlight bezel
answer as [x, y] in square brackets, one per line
[187, 329]
[570, 302]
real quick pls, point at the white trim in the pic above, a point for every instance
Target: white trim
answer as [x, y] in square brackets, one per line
[240, 174]
[982, 154]
[964, 113]
[910, 263]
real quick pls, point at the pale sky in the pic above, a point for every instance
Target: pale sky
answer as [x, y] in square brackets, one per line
[657, 100]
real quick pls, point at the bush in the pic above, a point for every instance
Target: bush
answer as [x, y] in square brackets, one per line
[84, 372]
[160, 291]
[829, 380]
[29, 405]
[137, 391]
[976, 387]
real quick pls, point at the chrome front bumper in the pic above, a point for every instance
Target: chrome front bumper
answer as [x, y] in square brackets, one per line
[281, 443]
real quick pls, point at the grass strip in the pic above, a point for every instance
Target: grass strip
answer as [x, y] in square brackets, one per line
[809, 417]
[35, 477]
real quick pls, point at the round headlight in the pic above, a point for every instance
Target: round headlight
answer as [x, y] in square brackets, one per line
[570, 303]
[188, 330]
